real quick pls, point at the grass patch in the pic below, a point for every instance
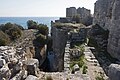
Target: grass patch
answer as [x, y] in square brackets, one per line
[81, 60]
[84, 71]
[81, 47]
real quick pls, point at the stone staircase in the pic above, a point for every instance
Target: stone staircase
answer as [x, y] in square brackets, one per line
[67, 58]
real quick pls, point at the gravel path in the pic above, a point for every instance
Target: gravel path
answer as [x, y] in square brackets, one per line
[93, 65]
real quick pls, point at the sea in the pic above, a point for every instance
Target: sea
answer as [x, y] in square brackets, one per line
[23, 20]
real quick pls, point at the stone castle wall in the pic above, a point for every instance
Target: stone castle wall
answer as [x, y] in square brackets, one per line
[107, 15]
[59, 37]
[83, 14]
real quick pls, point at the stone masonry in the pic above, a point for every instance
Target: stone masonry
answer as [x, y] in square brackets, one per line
[83, 14]
[107, 15]
[59, 37]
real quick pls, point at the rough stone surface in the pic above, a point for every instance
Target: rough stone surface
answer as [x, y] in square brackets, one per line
[5, 73]
[59, 33]
[31, 77]
[114, 72]
[70, 12]
[20, 76]
[67, 58]
[63, 76]
[83, 14]
[79, 36]
[2, 62]
[75, 53]
[59, 37]
[76, 67]
[31, 66]
[14, 61]
[107, 15]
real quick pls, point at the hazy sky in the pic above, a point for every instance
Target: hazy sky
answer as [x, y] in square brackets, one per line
[45, 8]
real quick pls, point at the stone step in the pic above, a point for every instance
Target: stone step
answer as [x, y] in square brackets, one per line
[67, 56]
[66, 65]
[66, 69]
[67, 59]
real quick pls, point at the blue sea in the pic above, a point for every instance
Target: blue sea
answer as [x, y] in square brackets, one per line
[23, 20]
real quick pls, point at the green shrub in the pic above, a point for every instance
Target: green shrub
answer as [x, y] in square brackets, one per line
[4, 39]
[82, 57]
[81, 63]
[41, 39]
[19, 26]
[14, 33]
[72, 64]
[3, 42]
[31, 24]
[80, 47]
[43, 29]
[12, 30]
[84, 69]
[6, 26]
[100, 76]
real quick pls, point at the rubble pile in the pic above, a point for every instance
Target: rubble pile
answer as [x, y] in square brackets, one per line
[15, 64]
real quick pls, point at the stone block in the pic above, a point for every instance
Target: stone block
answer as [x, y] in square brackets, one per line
[32, 66]
[20, 76]
[31, 77]
[114, 72]
[76, 67]
[2, 63]
[5, 73]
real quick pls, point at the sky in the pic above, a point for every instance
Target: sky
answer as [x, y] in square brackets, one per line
[41, 8]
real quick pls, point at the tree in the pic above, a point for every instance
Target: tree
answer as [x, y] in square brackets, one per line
[41, 39]
[6, 26]
[12, 30]
[4, 39]
[43, 29]
[19, 26]
[14, 33]
[31, 24]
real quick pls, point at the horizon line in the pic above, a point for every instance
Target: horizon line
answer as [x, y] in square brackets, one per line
[32, 16]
